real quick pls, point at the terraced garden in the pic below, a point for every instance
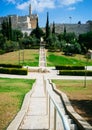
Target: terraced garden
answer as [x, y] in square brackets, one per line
[15, 89]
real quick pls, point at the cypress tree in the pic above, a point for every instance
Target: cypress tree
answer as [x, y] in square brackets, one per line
[53, 28]
[7, 28]
[64, 30]
[37, 29]
[47, 27]
[10, 28]
[4, 28]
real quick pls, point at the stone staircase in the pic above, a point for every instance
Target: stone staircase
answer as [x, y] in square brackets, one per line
[36, 117]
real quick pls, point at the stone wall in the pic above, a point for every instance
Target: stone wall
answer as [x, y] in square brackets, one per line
[2, 18]
[14, 20]
[21, 22]
[76, 28]
[33, 20]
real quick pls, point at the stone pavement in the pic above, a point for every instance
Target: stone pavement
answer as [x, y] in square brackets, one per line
[36, 117]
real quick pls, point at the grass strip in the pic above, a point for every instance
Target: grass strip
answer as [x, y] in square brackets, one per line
[12, 92]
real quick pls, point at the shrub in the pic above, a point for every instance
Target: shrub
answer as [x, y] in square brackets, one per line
[75, 72]
[70, 67]
[2, 52]
[16, 71]
[10, 66]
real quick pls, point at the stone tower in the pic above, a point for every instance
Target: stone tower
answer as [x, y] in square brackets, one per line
[33, 18]
[30, 10]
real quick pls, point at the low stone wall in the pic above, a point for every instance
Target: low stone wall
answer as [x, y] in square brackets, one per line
[82, 124]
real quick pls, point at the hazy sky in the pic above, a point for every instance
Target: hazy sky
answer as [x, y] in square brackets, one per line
[60, 11]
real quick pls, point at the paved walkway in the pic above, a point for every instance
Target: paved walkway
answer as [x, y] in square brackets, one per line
[36, 117]
[42, 57]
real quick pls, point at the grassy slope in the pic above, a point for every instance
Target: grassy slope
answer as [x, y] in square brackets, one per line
[57, 58]
[80, 96]
[31, 57]
[12, 92]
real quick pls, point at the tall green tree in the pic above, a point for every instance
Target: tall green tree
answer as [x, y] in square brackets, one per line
[47, 26]
[16, 35]
[53, 28]
[4, 28]
[85, 41]
[2, 41]
[10, 28]
[7, 28]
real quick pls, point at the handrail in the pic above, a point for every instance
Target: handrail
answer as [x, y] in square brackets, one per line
[62, 116]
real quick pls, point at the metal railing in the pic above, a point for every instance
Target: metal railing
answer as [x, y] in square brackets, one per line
[57, 109]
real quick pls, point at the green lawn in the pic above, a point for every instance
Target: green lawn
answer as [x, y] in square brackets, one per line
[74, 86]
[12, 92]
[31, 57]
[57, 58]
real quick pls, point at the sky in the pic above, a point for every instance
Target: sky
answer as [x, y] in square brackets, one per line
[60, 11]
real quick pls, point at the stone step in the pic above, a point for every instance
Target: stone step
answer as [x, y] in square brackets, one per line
[35, 123]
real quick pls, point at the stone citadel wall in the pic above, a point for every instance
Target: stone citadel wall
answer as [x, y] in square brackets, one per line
[76, 28]
[29, 22]
[21, 22]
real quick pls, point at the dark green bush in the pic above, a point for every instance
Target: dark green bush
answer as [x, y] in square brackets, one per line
[70, 67]
[35, 47]
[2, 52]
[75, 72]
[10, 66]
[20, 71]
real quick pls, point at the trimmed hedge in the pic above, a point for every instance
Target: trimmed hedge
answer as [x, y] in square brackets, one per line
[10, 66]
[70, 67]
[16, 71]
[75, 72]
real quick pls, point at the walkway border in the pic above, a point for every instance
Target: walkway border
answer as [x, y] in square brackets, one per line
[57, 109]
[82, 124]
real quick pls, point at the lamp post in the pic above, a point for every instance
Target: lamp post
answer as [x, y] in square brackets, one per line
[19, 56]
[23, 56]
[85, 80]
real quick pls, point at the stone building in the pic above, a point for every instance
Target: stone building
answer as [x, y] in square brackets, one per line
[24, 23]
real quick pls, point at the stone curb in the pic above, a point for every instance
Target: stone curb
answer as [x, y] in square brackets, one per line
[14, 125]
[82, 124]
